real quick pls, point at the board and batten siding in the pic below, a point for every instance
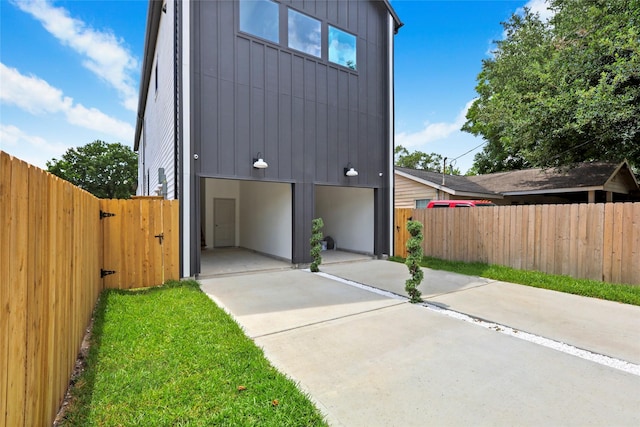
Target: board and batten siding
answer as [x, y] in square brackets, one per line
[407, 191]
[157, 149]
[308, 117]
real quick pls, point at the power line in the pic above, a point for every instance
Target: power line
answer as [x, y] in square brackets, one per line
[474, 148]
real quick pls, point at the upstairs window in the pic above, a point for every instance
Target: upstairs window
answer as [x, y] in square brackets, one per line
[342, 48]
[305, 33]
[260, 18]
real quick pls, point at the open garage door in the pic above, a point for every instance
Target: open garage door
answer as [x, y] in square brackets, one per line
[348, 216]
[251, 215]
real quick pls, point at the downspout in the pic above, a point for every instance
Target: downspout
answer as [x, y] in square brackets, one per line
[185, 143]
[176, 101]
[391, 125]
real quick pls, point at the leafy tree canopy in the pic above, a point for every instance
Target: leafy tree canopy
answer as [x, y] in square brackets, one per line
[108, 171]
[418, 160]
[562, 91]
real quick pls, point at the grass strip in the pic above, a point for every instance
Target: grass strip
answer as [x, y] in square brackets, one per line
[627, 294]
[168, 356]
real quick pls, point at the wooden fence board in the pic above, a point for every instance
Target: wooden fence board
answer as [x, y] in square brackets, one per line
[616, 258]
[17, 307]
[574, 216]
[36, 308]
[626, 258]
[634, 230]
[6, 200]
[608, 248]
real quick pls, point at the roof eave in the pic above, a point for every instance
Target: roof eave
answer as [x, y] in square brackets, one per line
[553, 191]
[151, 35]
[394, 15]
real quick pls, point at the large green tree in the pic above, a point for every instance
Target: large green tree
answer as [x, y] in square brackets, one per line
[420, 160]
[562, 91]
[108, 171]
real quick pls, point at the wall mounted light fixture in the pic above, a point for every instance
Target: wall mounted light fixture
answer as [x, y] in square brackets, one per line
[350, 170]
[259, 163]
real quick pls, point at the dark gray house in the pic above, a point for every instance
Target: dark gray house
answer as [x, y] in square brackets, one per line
[260, 115]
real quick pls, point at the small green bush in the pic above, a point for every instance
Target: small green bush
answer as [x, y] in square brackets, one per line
[316, 243]
[414, 249]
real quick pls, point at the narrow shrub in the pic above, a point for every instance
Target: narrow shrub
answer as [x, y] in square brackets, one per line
[414, 250]
[316, 243]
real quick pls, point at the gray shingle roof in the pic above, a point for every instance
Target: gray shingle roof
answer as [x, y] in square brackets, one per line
[454, 182]
[582, 175]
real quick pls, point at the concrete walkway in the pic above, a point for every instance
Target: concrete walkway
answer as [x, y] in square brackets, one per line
[368, 359]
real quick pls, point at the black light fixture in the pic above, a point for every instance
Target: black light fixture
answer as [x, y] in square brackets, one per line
[350, 170]
[259, 163]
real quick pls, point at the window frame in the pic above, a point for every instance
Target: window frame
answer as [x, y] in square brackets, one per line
[355, 44]
[278, 8]
[320, 42]
[426, 202]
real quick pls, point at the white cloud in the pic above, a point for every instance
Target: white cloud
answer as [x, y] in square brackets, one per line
[30, 93]
[540, 7]
[34, 150]
[11, 135]
[104, 54]
[36, 96]
[433, 131]
[94, 119]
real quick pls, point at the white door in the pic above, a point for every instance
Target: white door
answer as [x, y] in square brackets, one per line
[224, 222]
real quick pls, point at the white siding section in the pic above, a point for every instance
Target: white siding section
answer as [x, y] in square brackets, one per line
[157, 148]
[142, 182]
[408, 191]
[348, 216]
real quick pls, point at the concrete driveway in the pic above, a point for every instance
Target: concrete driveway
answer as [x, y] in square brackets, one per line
[369, 358]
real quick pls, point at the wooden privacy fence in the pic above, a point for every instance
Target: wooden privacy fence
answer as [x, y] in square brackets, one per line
[51, 259]
[590, 241]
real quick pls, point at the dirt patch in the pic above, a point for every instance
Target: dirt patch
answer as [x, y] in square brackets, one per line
[78, 369]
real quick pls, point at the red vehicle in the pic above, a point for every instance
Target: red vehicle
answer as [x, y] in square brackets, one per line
[458, 203]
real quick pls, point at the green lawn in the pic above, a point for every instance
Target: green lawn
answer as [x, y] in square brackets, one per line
[169, 356]
[591, 288]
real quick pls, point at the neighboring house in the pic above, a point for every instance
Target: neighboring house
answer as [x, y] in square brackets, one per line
[595, 182]
[416, 188]
[254, 112]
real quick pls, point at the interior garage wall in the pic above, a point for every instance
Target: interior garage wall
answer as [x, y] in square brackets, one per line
[223, 189]
[266, 218]
[348, 216]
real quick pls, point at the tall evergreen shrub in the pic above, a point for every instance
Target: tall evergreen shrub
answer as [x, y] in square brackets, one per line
[316, 243]
[414, 256]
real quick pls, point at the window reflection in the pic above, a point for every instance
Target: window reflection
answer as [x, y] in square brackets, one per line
[304, 33]
[342, 48]
[260, 18]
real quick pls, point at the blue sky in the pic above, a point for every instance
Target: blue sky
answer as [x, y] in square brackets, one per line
[69, 72]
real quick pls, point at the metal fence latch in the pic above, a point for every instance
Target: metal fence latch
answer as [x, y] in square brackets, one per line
[160, 237]
[104, 272]
[104, 214]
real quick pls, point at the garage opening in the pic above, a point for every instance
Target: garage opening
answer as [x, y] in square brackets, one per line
[246, 226]
[348, 216]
